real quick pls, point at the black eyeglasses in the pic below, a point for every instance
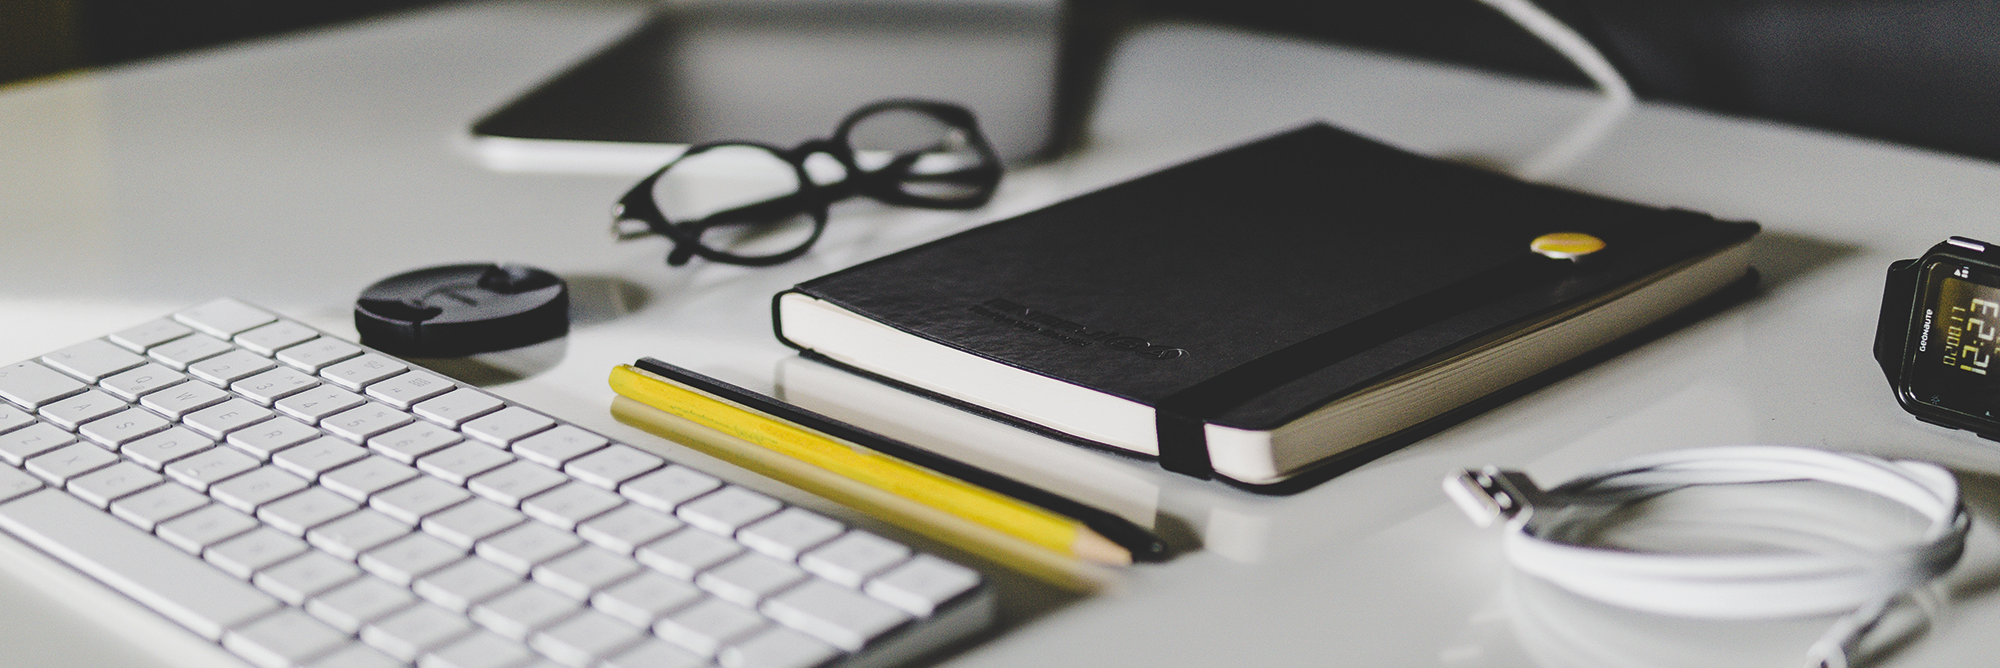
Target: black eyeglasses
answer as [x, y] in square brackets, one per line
[758, 205]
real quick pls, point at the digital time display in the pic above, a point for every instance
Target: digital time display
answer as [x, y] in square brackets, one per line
[1954, 365]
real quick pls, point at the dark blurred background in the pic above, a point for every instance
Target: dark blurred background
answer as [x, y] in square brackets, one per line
[1920, 72]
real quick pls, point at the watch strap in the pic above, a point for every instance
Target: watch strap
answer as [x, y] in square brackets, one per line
[1892, 331]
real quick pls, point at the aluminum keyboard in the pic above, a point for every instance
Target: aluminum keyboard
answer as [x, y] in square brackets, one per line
[304, 501]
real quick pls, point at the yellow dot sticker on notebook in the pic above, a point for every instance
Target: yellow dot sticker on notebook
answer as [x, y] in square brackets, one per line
[1566, 245]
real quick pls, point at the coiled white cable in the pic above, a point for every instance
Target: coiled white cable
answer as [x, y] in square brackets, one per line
[1727, 586]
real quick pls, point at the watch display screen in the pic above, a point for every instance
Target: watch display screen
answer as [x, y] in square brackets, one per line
[1954, 363]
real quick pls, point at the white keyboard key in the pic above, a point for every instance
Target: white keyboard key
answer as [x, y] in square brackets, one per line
[12, 418]
[73, 412]
[749, 578]
[612, 465]
[407, 389]
[156, 451]
[668, 488]
[230, 367]
[482, 649]
[407, 443]
[353, 534]
[519, 613]
[146, 379]
[318, 353]
[218, 420]
[776, 647]
[461, 462]
[102, 486]
[507, 425]
[854, 557]
[251, 552]
[252, 489]
[645, 598]
[268, 437]
[283, 640]
[350, 606]
[514, 483]
[789, 533]
[405, 559]
[215, 465]
[839, 616]
[181, 352]
[315, 404]
[31, 385]
[299, 513]
[70, 461]
[407, 634]
[521, 548]
[92, 360]
[205, 526]
[413, 500]
[357, 656]
[305, 576]
[656, 654]
[922, 584]
[18, 445]
[687, 552]
[269, 339]
[570, 504]
[468, 523]
[579, 641]
[361, 479]
[558, 445]
[362, 371]
[268, 387]
[139, 338]
[149, 508]
[183, 398]
[123, 427]
[360, 423]
[453, 408]
[623, 530]
[460, 585]
[728, 509]
[14, 484]
[224, 317]
[705, 627]
[314, 458]
[584, 571]
[136, 564]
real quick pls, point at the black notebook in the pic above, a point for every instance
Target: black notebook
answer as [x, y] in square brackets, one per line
[1263, 310]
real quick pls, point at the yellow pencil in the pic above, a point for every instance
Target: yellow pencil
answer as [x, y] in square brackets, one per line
[978, 505]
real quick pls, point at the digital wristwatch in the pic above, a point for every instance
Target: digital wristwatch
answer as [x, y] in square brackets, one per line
[1936, 338]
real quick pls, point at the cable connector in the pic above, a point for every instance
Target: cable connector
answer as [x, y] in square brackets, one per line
[1491, 495]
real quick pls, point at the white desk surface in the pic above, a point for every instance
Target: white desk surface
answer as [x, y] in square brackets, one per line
[295, 170]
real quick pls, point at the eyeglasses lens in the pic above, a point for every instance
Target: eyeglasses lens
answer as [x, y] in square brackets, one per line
[746, 200]
[931, 158]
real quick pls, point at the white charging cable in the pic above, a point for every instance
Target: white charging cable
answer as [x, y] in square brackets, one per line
[1726, 586]
[1594, 126]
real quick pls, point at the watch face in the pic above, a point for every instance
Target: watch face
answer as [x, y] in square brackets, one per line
[1952, 363]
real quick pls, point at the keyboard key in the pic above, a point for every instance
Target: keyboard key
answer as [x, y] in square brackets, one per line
[183, 399]
[18, 445]
[123, 427]
[14, 484]
[839, 616]
[70, 461]
[73, 412]
[355, 533]
[101, 487]
[580, 640]
[230, 367]
[854, 557]
[205, 526]
[415, 440]
[315, 404]
[407, 389]
[922, 584]
[645, 598]
[789, 533]
[687, 552]
[360, 423]
[31, 385]
[482, 649]
[461, 462]
[254, 488]
[519, 613]
[145, 379]
[570, 504]
[777, 647]
[139, 338]
[584, 571]
[405, 559]
[361, 479]
[407, 634]
[523, 547]
[457, 406]
[314, 458]
[181, 352]
[749, 578]
[668, 488]
[703, 628]
[268, 437]
[362, 371]
[269, 339]
[507, 425]
[288, 638]
[556, 446]
[252, 551]
[174, 584]
[301, 512]
[12, 418]
[224, 317]
[357, 656]
[458, 586]
[215, 465]
[268, 387]
[305, 576]
[514, 483]
[468, 523]
[350, 606]
[92, 360]
[318, 353]
[728, 509]
[413, 500]
[612, 465]
[149, 508]
[218, 420]
[156, 451]
[656, 654]
[625, 529]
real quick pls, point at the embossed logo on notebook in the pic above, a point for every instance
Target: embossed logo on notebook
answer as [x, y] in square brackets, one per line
[1070, 333]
